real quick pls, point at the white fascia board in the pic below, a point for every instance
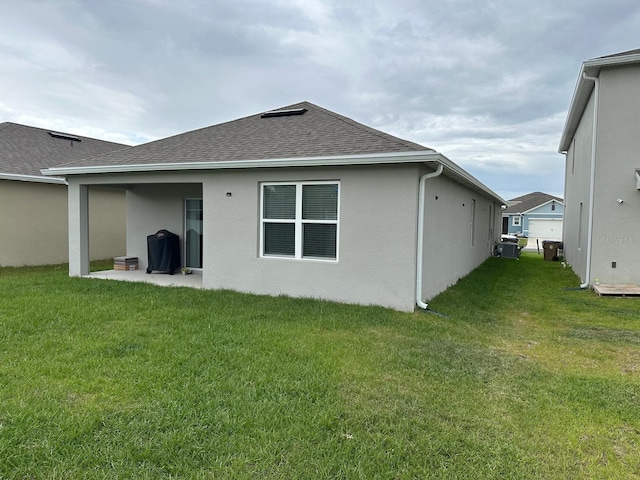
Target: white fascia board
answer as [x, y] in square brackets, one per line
[426, 157]
[582, 93]
[370, 159]
[598, 63]
[32, 178]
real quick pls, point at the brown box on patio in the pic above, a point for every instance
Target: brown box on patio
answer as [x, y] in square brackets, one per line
[125, 263]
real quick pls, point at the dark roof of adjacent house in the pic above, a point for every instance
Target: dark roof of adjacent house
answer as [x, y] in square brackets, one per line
[296, 131]
[26, 150]
[529, 201]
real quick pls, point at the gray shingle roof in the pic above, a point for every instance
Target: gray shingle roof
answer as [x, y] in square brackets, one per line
[529, 201]
[316, 133]
[25, 150]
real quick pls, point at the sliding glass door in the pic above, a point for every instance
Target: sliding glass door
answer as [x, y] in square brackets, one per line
[193, 232]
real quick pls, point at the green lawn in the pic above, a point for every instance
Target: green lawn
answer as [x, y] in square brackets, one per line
[523, 378]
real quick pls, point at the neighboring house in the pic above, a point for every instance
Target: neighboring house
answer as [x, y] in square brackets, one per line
[298, 201]
[536, 215]
[601, 141]
[33, 208]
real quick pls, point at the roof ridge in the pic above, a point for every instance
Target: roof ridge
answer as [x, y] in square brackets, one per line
[362, 126]
[47, 130]
[317, 133]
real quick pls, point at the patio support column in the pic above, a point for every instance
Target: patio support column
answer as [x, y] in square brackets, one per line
[78, 229]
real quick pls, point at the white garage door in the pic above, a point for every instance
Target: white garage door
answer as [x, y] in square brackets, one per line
[546, 229]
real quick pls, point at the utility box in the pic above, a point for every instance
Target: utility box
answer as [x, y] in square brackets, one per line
[551, 250]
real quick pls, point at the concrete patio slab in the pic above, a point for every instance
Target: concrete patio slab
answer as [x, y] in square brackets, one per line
[194, 280]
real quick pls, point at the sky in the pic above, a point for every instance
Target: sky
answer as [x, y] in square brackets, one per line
[485, 83]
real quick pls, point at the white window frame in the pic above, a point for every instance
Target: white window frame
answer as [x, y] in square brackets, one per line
[299, 221]
[517, 221]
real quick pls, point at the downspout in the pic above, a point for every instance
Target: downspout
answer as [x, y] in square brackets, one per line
[423, 181]
[592, 180]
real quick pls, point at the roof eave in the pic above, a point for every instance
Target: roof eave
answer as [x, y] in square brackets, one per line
[542, 205]
[430, 157]
[458, 173]
[582, 93]
[369, 159]
[32, 178]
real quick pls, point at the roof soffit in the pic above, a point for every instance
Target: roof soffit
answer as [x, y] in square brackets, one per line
[584, 88]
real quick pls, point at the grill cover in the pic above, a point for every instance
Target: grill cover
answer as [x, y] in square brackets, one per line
[163, 250]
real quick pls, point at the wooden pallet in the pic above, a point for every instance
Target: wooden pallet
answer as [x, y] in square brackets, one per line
[617, 290]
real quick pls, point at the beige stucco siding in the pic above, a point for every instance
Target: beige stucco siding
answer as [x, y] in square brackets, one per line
[107, 226]
[35, 227]
[34, 223]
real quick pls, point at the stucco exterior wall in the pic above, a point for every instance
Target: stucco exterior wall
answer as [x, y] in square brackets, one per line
[377, 236]
[34, 223]
[153, 207]
[456, 240]
[107, 228]
[616, 232]
[616, 229]
[35, 228]
[376, 242]
[576, 201]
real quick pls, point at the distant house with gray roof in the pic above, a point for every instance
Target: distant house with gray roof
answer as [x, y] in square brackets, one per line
[297, 201]
[536, 215]
[34, 207]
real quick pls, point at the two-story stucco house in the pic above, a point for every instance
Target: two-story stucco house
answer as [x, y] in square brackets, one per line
[601, 142]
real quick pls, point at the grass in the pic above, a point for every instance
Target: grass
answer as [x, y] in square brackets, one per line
[523, 378]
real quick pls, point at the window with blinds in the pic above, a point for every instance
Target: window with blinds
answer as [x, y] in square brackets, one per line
[300, 220]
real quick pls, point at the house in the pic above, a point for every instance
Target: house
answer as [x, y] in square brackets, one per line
[33, 207]
[535, 215]
[298, 201]
[601, 143]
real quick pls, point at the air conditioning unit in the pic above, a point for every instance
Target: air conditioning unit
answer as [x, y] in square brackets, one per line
[508, 250]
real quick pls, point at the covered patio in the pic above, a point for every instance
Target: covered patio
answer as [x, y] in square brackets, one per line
[193, 280]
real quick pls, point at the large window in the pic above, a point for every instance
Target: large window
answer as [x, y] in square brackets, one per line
[300, 220]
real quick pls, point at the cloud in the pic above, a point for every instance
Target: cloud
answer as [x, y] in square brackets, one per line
[486, 83]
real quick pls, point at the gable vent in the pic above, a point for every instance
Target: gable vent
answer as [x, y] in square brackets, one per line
[65, 136]
[283, 113]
